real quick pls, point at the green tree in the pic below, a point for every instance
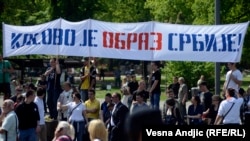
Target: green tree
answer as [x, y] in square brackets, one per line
[24, 12]
[73, 10]
[190, 71]
[171, 11]
[122, 11]
[199, 12]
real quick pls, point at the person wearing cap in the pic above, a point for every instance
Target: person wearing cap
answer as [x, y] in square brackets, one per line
[5, 70]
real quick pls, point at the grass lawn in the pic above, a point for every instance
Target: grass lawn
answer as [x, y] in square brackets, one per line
[101, 88]
[100, 93]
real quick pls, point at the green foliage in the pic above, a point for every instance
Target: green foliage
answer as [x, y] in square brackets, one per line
[234, 11]
[122, 11]
[190, 71]
[203, 11]
[26, 12]
[73, 10]
[171, 11]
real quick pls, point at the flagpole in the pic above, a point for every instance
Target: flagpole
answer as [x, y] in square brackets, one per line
[217, 64]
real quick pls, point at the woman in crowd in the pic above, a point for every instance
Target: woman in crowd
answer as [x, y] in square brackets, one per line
[171, 113]
[195, 111]
[125, 90]
[64, 132]
[97, 130]
[211, 112]
[77, 115]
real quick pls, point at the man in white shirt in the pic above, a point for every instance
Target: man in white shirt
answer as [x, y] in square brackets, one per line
[233, 79]
[42, 135]
[229, 109]
[65, 98]
[118, 118]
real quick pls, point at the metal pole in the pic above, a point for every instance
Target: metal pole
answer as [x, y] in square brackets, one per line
[217, 64]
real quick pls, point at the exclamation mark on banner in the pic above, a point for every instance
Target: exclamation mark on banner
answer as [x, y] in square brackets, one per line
[239, 41]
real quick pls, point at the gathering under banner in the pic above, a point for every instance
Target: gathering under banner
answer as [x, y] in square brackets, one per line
[150, 41]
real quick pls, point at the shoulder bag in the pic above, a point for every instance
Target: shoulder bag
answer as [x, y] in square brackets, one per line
[70, 113]
[227, 113]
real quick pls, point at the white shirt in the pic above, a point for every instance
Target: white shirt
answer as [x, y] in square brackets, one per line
[65, 98]
[234, 115]
[10, 124]
[238, 75]
[111, 119]
[40, 105]
[77, 112]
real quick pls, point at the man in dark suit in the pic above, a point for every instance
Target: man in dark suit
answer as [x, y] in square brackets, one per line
[118, 117]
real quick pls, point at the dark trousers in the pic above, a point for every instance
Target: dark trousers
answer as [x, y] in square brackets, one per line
[86, 134]
[79, 127]
[45, 101]
[109, 132]
[52, 102]
[5, 88]
[116, 134]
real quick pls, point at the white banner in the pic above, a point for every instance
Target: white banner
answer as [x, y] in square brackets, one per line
[136, 41]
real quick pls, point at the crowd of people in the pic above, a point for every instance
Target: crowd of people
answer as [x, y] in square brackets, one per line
[82, 117]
